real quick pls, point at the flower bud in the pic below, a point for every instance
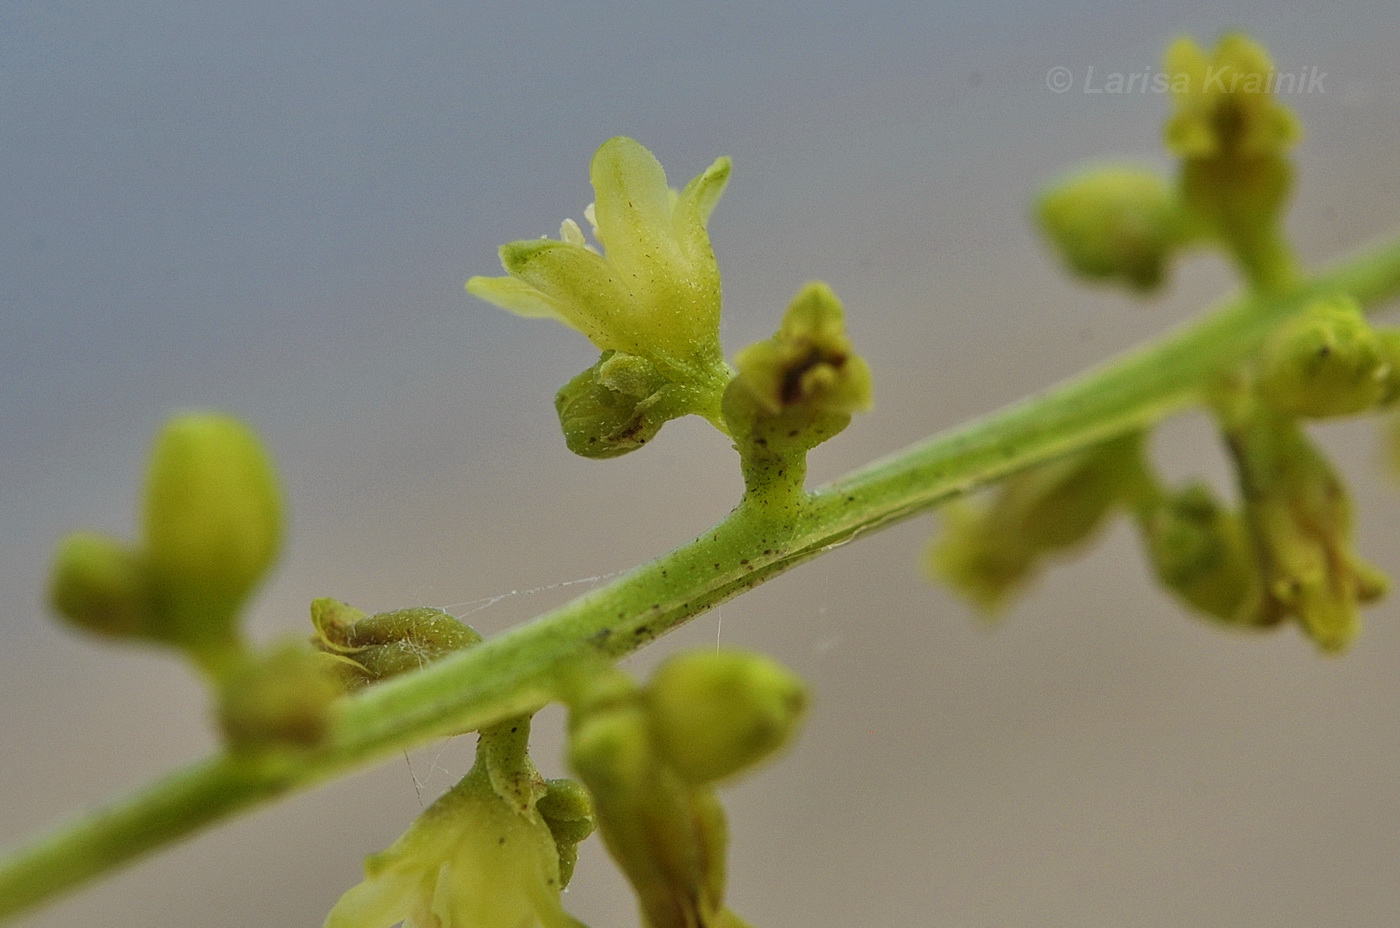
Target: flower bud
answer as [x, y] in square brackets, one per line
[100, 585]
[1325, 361]
[1114, 223]
[988, 550]
[666, 833]
[387, 644]
[651, 821]
[278, 699]
[213, 525]
[1202, 553]
[717, 713]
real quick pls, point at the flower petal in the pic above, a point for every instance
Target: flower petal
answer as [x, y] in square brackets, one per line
[633, 207]
[378, 902]
[517, 297]
[705, 190]
[584, 290]
[692, 212]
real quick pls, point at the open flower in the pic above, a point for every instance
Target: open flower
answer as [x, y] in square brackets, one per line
[654, 292]
[1225, 103]
[472, 860]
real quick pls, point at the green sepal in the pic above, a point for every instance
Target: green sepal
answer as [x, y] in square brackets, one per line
[1388, 344]
[1116, 223]
[567, 810]
[618, 405]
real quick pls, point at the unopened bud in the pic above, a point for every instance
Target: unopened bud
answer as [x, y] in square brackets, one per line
[213, 525]
[1202, 553]
[616, 406]
[1325, 361]
[100, 585]
[718, 713]
[1114, 223]
[387, 644]
[281, 698]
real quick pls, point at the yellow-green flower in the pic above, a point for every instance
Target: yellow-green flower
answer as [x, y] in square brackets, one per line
[472, 860]
[1300, 518]
[795, 390]
[1225, 103]
[654, 291]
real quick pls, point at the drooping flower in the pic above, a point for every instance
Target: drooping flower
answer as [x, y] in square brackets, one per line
[1300, 519]
[654, 291]
[471, 860]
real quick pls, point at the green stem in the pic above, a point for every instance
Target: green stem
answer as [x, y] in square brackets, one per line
[515, 673]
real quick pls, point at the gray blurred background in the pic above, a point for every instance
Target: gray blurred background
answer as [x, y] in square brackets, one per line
[271, 208]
